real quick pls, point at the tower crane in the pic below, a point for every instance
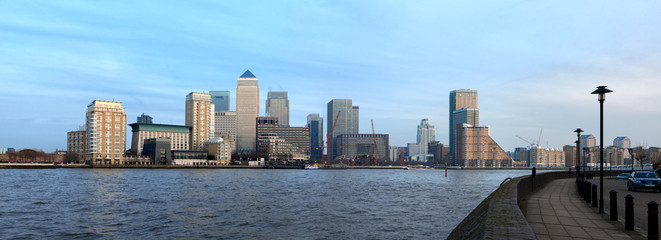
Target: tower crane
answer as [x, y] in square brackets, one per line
[328, 139]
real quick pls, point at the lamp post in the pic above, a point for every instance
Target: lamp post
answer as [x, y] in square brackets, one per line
[578, 132]
[601, 92]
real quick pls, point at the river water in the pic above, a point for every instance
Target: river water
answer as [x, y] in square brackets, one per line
[239, 203]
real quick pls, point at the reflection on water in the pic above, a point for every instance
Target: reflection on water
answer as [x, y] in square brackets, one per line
[239, 203]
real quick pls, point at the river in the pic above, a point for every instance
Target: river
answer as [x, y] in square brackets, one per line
[240, 203]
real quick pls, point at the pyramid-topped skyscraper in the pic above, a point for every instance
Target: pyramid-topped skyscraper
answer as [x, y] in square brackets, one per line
[247, 111]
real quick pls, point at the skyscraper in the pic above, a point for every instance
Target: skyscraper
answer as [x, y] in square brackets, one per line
[247, 111]
[226, 127]
[200, 117]
[347, 122]
[316, 127]
[221, 100]
[461, 99]
[426, 135]
[106, 132]
[277, 105]
[144, 118]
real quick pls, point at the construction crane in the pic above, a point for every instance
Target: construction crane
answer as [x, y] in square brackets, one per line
[375, 152]
[401, 157]
[533, 143]
[328, 139]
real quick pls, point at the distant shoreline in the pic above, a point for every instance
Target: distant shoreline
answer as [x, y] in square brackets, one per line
[53, 166]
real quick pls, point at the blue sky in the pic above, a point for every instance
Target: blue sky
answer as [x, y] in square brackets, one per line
[533, 63]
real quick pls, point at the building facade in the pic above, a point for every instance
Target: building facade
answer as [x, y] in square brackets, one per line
[426, 134]
[77, 144]
[158, 150]
[316, 127]
[220, 150]
[588, 141]
[280, 142]
[178, 135]
[460, 117]
[247, 111]
[351, 146]
[623, 142]
[347, 121]
[546, 157]
[460, 99]
[570, 156]
[106, 132]
[226, 127]
[220, 100]
[200, 117]
[277, 105]
[475, 148]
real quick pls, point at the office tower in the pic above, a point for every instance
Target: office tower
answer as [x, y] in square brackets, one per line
[277, 105]
[282, 143]
[226, 127]
[220, 100]
[200, 117]
[178, 135]
[247, 111]
[477, 149]
[76, 145]
[347, 122]
[426, 135]
[623, 142]
[394, 154]
[357, 146]
[461, 99]
[316, 127]
[570, 155]
[144, 118]
[106, 132]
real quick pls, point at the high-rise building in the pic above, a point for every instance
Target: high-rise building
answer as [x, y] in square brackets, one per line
[347, 122]
[426, 135]
[76, 145]
[316, 127]
[220, 100]
[460, 99]
[200, 117]
[106, 132]
[588, 141]
[570, 155]
[178, 135]
[277, 105]
[226, 127]
[144, 118]
[247, 111]
[475, 148]
[460, 117]
[623, 142]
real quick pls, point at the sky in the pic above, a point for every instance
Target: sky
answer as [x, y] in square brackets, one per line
[533, 63]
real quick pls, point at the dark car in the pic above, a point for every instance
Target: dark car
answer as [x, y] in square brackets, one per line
[644, 180]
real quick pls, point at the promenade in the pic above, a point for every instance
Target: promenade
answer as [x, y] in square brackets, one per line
[556, 211]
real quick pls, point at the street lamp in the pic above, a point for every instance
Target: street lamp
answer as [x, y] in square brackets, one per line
[578, 132]
[601, 92]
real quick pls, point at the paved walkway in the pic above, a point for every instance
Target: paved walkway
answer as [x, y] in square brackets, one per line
[557, 212]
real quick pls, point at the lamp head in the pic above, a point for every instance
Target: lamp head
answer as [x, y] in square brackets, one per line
[601, 92]
[578, 132]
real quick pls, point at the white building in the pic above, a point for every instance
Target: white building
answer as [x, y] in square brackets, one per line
[426, 135]
[200, 117]
[623, 142]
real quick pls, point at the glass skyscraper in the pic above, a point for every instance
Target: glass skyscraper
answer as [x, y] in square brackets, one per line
[221, 100]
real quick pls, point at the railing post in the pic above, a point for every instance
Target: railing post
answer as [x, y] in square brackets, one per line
[613, 207]
[628, 212]
[594, 195]
[653, 220]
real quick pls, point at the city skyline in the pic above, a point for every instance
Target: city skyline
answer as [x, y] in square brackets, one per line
[533, 64]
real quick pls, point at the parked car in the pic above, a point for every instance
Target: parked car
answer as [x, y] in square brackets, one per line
[644, 180]
[658, 172]
[623, 176]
